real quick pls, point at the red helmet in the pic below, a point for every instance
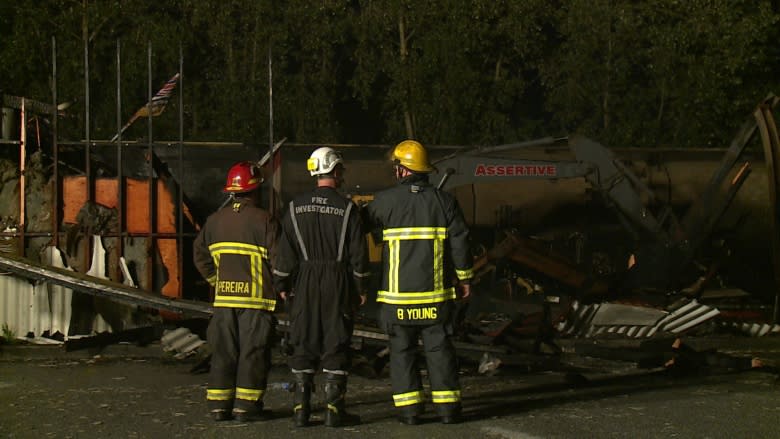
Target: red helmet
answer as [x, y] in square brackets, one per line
[243, 177]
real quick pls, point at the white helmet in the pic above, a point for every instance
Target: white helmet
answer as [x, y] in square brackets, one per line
[323, 160]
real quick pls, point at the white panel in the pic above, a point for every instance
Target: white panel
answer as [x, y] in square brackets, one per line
[98, 269]
[59, 296]
[15, 304]
[28, 308]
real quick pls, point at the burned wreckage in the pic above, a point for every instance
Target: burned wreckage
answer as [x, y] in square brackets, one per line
[631, 260]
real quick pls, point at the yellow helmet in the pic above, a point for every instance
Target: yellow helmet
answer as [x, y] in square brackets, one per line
[412, 155]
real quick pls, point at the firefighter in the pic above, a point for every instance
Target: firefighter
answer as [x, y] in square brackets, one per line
[322, 267]
[233, 252]
[426, 246]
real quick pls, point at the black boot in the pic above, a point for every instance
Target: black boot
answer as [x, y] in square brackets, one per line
[450, 413]
[335, 390]
[304, 383]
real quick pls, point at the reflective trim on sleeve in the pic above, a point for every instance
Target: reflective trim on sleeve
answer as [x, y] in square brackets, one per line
[464, 274]
[404, 399]
[212, 280]
[366, 274]
[280, 273]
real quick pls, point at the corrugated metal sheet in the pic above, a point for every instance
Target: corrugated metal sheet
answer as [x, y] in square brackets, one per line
[182, 341]
[34, 309]
[98, 269]
[24, 307]
[754, 329]
[59, 297]
[581, 322]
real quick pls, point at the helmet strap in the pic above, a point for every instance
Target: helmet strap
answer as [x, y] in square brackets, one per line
[401, 172]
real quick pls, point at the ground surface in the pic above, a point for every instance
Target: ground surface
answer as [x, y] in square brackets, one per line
[130, 392]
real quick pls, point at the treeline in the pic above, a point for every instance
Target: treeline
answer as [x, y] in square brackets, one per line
[626, 72]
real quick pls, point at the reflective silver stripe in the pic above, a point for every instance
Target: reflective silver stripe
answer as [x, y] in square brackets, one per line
[366, 274]
[280, 273]
[344, 231]
[336, 371]
[298, 232]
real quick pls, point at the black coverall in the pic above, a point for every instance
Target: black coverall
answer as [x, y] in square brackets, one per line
[233, 252]
[323, 249]
[425, 247]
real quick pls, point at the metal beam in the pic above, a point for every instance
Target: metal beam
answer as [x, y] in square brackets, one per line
[100, 287]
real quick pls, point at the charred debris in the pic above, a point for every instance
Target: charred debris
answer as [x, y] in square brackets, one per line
[646, 271]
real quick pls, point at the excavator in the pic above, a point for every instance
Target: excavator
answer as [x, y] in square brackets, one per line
[665, 244]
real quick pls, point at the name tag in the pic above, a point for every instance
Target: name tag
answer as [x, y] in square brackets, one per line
[232, 287]
[427, 313]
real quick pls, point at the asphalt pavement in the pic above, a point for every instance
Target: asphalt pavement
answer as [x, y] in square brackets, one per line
[126, 391]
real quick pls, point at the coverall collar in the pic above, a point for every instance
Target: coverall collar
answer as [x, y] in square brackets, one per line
[414, 179]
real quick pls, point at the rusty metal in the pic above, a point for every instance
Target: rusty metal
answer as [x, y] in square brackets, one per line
[106, 234]
[87, 144]
[771, 143]
[120, 175]
[180, 186]
[529, 253]
[55, 147]
[22, 188]
[152, 188]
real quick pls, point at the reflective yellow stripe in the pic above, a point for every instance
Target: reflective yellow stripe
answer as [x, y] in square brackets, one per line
[411, 298]
[404, 399]
[465, 274]
[212, 280]
[394, 237]
[256, 254]
[445, 396]
[219, 394]
[392, 265]
[249, 394]
[245, 302]
[403, 233]
[238, 248]
[438, 265]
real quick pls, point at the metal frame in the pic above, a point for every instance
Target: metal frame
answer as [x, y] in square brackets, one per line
[771, 143]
